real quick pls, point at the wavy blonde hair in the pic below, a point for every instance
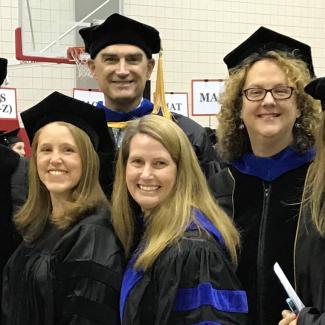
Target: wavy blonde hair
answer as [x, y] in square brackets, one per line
[35, 213]
[234, 142]
[167, 222]
[315, 182]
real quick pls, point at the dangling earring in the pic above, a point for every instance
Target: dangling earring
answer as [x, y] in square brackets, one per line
[241, 125]
[297, 125]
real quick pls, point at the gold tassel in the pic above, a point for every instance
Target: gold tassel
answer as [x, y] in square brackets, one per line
[160, 100]
[119, 125]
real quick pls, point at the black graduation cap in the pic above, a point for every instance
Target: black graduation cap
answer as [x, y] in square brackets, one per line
[118, 29]
[264, 40]
[59, 107]
[3, 70]
[316, 89]
[8, 138]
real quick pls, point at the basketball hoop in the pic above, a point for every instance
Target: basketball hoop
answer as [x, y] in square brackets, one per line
[80, 57]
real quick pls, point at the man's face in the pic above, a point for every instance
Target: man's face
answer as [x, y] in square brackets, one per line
[121, 71]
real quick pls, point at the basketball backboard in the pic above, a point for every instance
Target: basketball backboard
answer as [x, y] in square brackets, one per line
[48, 28]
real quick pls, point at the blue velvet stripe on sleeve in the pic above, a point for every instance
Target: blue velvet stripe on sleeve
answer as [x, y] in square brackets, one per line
[204, 294]
[207, 323]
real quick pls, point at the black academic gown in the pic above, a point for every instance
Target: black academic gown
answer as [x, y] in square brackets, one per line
[266, 214]
[310, 270]
[9, 161]
[191, 282]
[66, 277]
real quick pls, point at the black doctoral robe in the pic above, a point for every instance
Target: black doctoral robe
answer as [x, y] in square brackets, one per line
[66, 277]
[310, 270]
[191, 282]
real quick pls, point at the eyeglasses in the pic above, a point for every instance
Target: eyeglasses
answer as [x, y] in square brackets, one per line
[256, 94]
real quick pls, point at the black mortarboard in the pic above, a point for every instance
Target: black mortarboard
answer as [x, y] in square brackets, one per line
[316, 89]
[264, 40]
[3, 70]
[8, 138]
[59, 107]
[118, 29]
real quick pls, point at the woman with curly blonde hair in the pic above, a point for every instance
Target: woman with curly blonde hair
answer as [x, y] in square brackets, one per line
[182, 271]
[265, 135]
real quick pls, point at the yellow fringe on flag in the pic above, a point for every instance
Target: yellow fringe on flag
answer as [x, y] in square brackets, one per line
[160, 106]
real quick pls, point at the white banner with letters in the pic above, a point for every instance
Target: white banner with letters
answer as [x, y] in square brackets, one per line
[90, 96]
[205, 96]
[177, 103]
[8, 103]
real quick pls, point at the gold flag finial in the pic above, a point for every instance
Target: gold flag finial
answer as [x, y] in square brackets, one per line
[160, 105]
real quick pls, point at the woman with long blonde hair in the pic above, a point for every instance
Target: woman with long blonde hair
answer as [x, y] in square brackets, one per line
[310, 239]
[182, 268]
[68, 269]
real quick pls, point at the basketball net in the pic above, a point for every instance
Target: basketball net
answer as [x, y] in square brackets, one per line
[80, 57]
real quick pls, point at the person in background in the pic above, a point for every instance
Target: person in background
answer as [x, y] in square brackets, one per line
[121, 62]
[265, 135]
[13, 141]
[19, 178]
[3, 70]
[68, 269]
[310, 243]
[9, 162]
[182, 271]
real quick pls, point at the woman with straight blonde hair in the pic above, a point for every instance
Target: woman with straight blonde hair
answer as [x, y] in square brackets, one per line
[68, 269]
[182, 267]
[309, 255]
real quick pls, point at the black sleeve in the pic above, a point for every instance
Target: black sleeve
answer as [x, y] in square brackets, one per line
[208, 159]
[195, 284]
[19, 184]
[89, 278]
[311, 316]
[222, 186]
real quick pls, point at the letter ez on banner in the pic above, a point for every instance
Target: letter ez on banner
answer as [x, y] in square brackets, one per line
[8, 104]
[205, 96]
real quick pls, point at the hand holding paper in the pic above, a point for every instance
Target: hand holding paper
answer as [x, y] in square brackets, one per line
[288, 287]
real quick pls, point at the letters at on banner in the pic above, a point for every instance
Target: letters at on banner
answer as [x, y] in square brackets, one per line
[205, 96]
[8, 106]
[177, 103]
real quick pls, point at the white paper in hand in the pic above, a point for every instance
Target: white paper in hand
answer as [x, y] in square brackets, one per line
[288, 287]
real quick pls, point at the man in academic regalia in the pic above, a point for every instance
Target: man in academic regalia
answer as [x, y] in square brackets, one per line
[121, 62]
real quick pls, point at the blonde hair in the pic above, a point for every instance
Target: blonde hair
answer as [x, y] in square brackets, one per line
[34, 214]
[168, 221]
[233, 142]
[315, 182]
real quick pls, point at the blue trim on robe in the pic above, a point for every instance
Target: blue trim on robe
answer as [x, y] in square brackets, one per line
[270, 168]
[231, 301]
[132, 277]
[207, 323]
[145, 108]
[207, 225]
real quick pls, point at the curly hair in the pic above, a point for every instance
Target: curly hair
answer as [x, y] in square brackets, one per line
[233, 142]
